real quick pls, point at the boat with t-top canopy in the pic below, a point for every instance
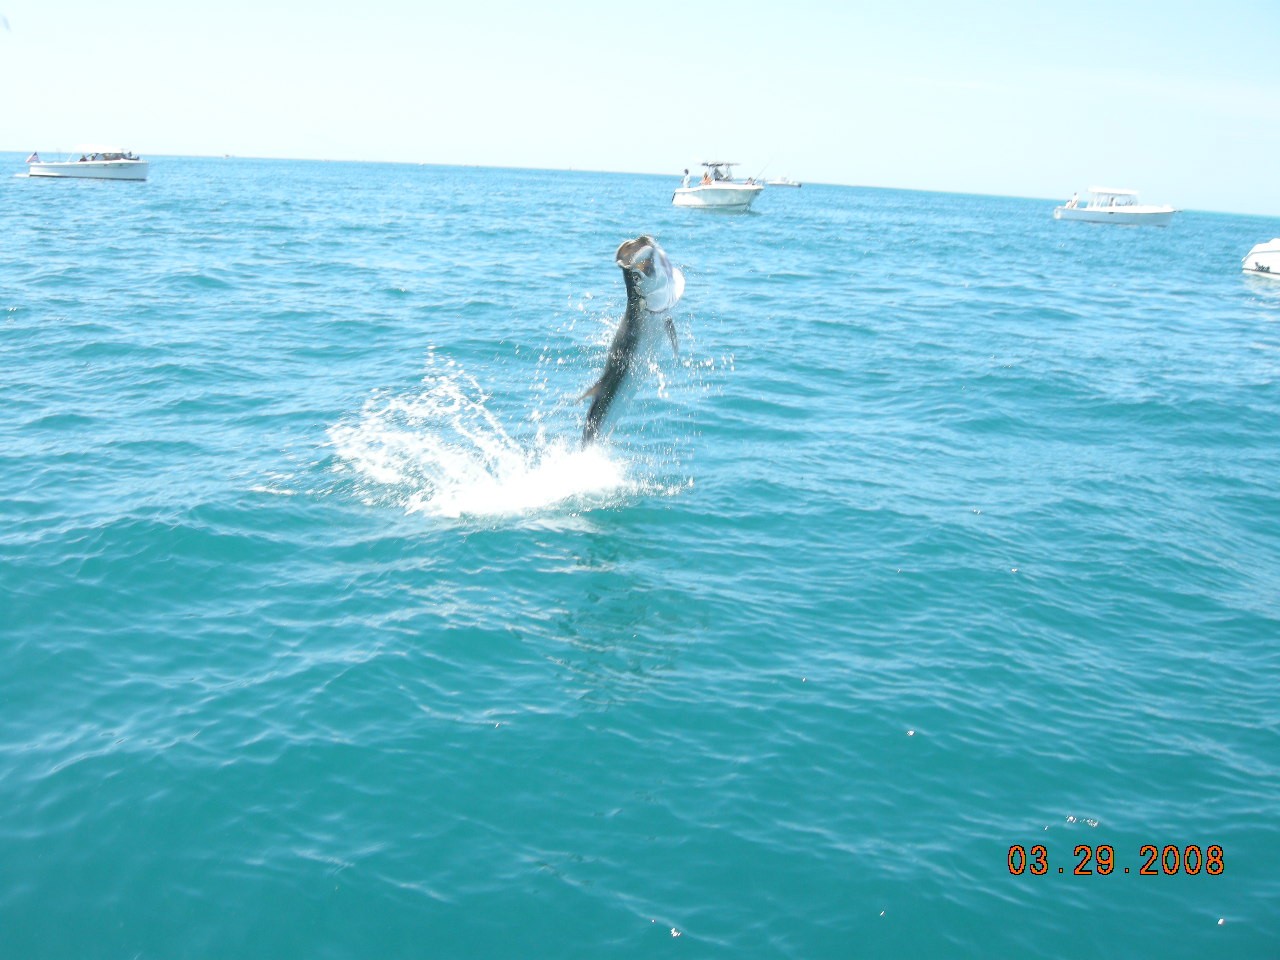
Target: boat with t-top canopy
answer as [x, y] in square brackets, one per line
[1109, 205]
[717, 190]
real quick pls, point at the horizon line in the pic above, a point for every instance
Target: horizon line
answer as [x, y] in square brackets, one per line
[631, 173]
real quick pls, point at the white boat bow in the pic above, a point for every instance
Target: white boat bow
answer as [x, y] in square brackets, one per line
[1263, 259]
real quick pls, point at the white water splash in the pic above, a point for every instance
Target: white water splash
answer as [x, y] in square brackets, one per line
[442, 452]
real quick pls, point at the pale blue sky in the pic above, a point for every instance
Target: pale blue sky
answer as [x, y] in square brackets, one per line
[1178, 100]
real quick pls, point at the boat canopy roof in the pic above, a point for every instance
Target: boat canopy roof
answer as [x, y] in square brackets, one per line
[720, 163]
[88, 148]
[1113, 192]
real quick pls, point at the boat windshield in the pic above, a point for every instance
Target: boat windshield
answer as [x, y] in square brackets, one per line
[1112, 198]
[99, 153]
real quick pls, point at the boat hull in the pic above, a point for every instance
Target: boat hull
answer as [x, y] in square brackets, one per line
[91, 169]
[1153, 216]
[1263, 260]
[718, 196]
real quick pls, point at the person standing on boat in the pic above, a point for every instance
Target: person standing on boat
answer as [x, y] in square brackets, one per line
[685, 184]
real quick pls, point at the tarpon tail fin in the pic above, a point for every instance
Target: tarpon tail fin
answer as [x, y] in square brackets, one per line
[671, 332]
[595, 417]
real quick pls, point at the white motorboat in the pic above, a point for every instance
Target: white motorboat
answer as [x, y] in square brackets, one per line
[99, 163]
[717, 190]
[1263, 259]
[1106, 205]
[782, 182]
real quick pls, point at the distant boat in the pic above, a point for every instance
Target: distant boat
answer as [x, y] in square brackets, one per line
[717, 189]
[1107, 205]
[1263, 259]
[100, 163]
[782, 182]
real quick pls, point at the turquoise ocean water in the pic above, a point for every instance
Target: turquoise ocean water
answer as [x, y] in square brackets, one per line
[953, 529]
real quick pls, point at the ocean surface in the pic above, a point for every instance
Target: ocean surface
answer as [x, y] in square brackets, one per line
[943, 562]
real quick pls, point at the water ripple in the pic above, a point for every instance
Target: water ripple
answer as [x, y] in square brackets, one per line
[951, 529]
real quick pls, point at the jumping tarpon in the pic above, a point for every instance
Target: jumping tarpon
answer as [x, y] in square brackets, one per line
[653, 287]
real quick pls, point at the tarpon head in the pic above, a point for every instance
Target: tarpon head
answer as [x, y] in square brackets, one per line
[649, 274]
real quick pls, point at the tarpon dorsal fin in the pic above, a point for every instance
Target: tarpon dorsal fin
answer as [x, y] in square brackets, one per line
[592, 391]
